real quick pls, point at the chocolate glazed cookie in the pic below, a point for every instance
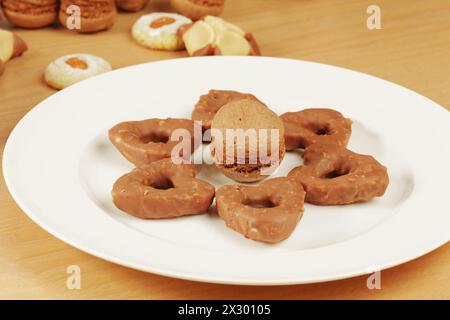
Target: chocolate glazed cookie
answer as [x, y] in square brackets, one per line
[162, 189]
[333, 175]
[268, 212]
[142, 142]
[303, 128]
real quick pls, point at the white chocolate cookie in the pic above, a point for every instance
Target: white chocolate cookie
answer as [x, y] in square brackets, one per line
[159, 30]
[73, 68]
[215, 36]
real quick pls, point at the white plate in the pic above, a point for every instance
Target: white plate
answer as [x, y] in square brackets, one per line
[59, 166]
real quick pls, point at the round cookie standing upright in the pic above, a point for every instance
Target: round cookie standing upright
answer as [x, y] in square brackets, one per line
[31, 13]
[159, 30]
[73, 68]
[95, 15]
[197, 9]
[247, 140]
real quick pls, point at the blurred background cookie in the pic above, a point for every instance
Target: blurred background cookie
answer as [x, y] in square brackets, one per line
[131, 5]
[159, 30]
[11, 46]
[197, 9]
[30, 13]
[96, 15]
[2, 67]
[215, 36]
[73, 68]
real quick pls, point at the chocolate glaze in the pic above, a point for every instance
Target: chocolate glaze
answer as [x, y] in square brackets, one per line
[268, 212]
[334, 175]
[162, 189]
[142, 142]
[313, 125]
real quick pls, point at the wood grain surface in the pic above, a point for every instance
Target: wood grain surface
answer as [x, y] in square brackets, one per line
[412, 49]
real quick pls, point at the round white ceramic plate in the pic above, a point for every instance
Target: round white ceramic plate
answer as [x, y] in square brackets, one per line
[60, 167]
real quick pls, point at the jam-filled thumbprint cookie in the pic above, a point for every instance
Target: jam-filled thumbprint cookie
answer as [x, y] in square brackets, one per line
[159, 31]
[73, 68]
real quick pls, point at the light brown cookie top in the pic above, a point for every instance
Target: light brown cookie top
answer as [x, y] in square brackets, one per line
[238, 121]
[208, 104]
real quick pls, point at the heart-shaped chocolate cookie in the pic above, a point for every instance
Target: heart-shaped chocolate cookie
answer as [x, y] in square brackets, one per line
[334, 175]
[162, 189]
[268, 212]
[142, 142]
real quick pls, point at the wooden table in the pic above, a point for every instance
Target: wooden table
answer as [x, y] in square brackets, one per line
[412, 49]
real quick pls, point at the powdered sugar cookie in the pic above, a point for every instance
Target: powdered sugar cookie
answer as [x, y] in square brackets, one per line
[73, 68]
[158, 30]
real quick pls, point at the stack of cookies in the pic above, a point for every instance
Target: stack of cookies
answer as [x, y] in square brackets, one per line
[31, 13]
[95, 15]
[87, 16]
[81, 15]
